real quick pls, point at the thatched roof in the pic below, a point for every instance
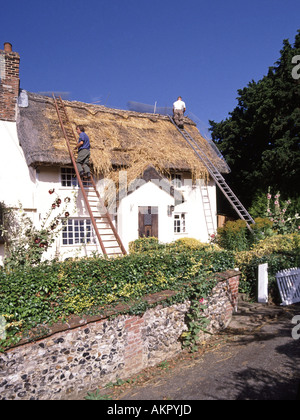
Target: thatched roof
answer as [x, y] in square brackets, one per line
[126, 139]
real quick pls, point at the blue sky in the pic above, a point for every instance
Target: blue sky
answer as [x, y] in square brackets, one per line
[115, 51]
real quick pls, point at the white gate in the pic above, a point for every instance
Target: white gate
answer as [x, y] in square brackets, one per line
[289, 285]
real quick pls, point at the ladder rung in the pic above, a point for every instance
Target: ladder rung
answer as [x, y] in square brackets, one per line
[215, 174]
[112, 247]
[101, 222]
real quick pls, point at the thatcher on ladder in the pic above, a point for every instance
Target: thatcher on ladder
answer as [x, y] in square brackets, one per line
[83, 157]
[178, 111]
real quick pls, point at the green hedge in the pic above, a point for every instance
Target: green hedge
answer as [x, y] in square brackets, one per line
[279, 251]
[276, 262]
[50, 291]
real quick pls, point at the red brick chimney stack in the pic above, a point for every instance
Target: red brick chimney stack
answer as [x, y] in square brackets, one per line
[9, 82]
[7, 47]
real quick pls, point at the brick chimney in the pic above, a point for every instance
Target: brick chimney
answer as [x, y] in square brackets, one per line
[9, 82]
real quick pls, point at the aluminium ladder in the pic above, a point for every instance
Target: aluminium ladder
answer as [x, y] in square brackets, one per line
[207, 208]
[216, 175]
[106, 233]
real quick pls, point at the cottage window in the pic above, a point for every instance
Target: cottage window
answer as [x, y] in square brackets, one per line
[179, 223]
[177, 180]
[68, 177]
[78, 232]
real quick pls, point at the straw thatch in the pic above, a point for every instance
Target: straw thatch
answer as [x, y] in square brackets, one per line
[119, 139]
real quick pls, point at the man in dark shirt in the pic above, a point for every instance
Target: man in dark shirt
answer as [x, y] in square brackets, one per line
[83, 157]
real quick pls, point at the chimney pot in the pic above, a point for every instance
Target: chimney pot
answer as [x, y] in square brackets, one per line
[7, 47]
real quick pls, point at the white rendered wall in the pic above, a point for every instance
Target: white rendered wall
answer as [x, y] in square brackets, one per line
[17, 181]
[48, 179]
[150, 194]
[32, 189]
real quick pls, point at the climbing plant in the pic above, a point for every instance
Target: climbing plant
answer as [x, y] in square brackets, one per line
[25, 243]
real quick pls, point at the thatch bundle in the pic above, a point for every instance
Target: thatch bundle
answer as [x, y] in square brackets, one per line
[119, 140]
[135, 143]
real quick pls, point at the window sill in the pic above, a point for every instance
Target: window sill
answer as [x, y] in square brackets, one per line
[78, 245]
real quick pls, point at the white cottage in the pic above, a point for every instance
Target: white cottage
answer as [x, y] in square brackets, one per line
[151, 180]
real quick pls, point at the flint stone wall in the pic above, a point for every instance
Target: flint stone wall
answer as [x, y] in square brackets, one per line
[78, 358]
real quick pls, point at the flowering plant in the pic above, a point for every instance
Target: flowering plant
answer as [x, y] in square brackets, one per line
[25, 242]
[278, 215]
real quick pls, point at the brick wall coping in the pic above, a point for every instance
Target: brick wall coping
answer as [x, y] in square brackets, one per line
[226, 275]
[75, 321]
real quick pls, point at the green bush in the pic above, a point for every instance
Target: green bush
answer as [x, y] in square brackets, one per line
[276, 262]
[279, 251]
[262, 245]
[233, 236]
[183, 244]
[191, 244]
[51, 291]
[144, 245]
[25, 243]
[261, 229]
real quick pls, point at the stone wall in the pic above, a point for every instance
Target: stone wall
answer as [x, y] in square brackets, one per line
[92, 352]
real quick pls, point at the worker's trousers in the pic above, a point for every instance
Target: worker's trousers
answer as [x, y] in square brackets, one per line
[83, 161]
[178, 117]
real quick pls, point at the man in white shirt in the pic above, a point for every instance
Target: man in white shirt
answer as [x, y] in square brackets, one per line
[178, 111]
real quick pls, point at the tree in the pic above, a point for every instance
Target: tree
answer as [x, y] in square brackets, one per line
[260, 138]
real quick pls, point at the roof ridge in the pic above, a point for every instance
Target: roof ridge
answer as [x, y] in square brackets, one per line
[102, 108]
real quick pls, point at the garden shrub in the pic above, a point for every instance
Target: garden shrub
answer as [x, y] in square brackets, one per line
[144, 245]
[50, 291]
[279, 251]
[233, 236]
[284, 215]
[189, 243]
[284, 221]
[278, 243]
[24, 242]
[182, 244]
[261, 229]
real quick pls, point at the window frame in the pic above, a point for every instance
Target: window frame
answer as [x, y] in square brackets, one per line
[177, 180]
[76, 230]
[181, 218]
[70, 174]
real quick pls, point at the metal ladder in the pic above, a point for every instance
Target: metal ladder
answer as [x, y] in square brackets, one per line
[215, 174]
[207, 208]
[106, 233]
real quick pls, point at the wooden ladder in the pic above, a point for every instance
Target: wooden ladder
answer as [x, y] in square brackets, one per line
[216, 175]
[106, 233]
